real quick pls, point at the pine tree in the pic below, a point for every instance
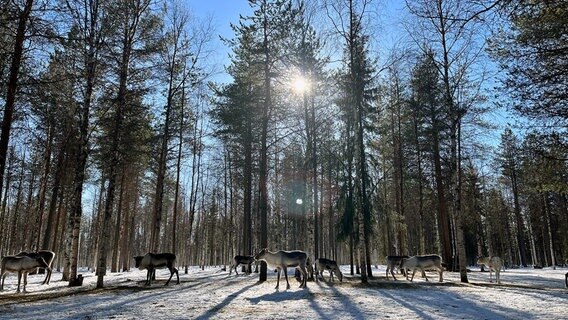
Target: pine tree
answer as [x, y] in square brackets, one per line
[508, 158]
[533, 53]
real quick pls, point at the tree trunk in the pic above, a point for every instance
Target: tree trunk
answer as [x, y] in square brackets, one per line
[247, 196]
[15, 237]
[4, 239]
[443, 218]
[90, 47]
[13, 86]
[178, 172]
[114, 156]
[118, 227]
[462, 259]
[549, 229]
[43, 188]
[519, 219]
[263, 165]
[49, 235]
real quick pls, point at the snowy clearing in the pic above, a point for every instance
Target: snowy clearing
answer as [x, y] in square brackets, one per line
[213, 294]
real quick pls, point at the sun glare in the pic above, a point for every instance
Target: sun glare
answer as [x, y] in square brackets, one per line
[300, 84]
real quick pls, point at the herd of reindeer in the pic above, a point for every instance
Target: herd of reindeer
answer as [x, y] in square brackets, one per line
[26, 262]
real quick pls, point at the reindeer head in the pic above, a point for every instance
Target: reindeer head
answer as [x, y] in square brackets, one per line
[261, 254]
[482, 260]
[138, 259]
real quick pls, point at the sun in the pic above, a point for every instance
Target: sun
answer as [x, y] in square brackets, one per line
[300, 84]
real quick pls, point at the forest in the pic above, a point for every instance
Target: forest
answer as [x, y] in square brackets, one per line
[326, 136]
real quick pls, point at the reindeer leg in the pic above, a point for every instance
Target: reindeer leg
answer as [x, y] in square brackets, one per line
[47, 276]
[25, 281]
[413, 272]
[277, 279]
[286, 276]
[424, 273]
[171, 275]
[19, 279]
[149, 276]
[498, 275]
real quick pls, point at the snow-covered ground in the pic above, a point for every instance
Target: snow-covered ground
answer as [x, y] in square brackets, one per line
[213, 294]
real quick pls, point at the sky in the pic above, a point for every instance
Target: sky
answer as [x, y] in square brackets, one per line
[221, 13]
[388, 34]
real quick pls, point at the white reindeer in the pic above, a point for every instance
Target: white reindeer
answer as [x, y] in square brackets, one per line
[431, 261]
[281, 260]
[21, 265]
[494, 264]
[323, 264]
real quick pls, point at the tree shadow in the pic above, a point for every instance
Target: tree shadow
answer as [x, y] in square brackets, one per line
[212, 312]
[449, 305]
[342, 302]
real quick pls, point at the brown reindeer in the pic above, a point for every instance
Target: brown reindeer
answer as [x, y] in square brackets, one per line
[394, 262]
[153, 261]
[323, 264]
[238, 260]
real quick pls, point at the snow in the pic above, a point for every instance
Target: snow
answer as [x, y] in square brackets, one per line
[213, 294]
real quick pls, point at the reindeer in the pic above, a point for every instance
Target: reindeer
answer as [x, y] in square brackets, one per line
[47, 255]
[395, 262]
[309, 269]
[323, 264]
[153, 261]
[21, 265]
[281, 260]
[237, 260]
[566, 279]
[432, 261]
[494, 264]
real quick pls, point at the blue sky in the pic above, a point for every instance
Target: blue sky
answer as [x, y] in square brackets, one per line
[221, 13]
[224, 12]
